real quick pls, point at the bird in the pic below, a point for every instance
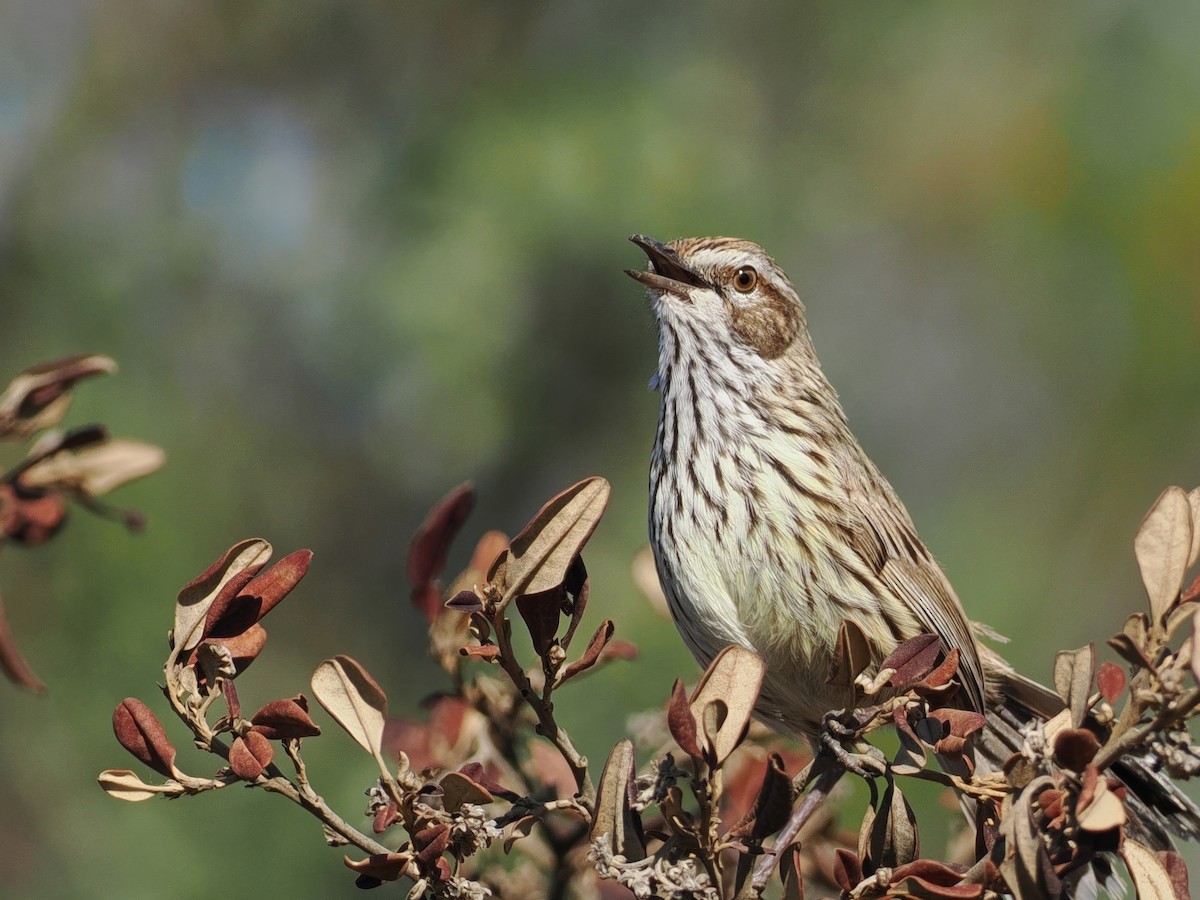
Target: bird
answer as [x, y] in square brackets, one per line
[770, 524]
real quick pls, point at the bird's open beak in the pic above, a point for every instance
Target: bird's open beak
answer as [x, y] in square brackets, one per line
[667, 271]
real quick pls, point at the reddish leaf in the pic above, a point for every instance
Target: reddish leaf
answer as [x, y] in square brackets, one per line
[233, 612]
[427, 553]
[465, 602]
[139, 731]
[913, 659]
[944, 672]
[960, 722]
[430, 843]
[932, 872]
[541, 613]
[1192, 592]
[244, 647]
[232, 704]
[847, 869]
[458, 789]
[30, 519]
[11, 660]
[590, 656]
[772, 806]
[1110, 678]
[1176, 870]
[410, 738]
[249, 755]
[282, 719]
[1074, 748]
[481, 776]
[385, 817]
[379, 867]
[681, 722]
[619, 650]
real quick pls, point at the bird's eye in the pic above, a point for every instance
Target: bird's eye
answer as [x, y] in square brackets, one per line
[745, 279]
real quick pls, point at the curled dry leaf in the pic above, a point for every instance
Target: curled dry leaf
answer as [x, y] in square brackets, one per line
[1163, 546]
[123, 784]
[1150, 877]
[139, 731]
[352, 697]
[541, 554]
[243, 648]
[239, 563]
[615, 821]
[379, 867]
[249, 755]
[96, 469]
[894, 840]
[38, 398]
[459, 789]
[232, 612]
[771, 807]
[913, 659]
[594, 648]
[851, 654]
[285, 719]
[681, 722]
[724, 699]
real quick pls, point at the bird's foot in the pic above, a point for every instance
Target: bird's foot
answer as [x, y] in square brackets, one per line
[840, 737]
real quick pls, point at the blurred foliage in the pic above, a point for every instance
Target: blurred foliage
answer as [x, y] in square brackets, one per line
[349, 255]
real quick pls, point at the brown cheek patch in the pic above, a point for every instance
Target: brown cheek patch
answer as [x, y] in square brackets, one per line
[769, 326]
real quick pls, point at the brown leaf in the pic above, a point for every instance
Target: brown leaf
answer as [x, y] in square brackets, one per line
[479, 774]
[249, 755]
[430, 843]
[139, 731]
[233, 612]
[466, 601]
[724, 699]
[355, 701]
[237, 564]
[541, 613]
[1110, 679]
[894, 840]
[594, 648]
[480, 651]
[847, 869]
[379, 867]
[431, 544]
[460, 789]
[244, 648]
[487, 550]
[614, 819]
[851, 654]
[1131, 642]
[681, 722]
[285, 719]
[771, 807]
[541, 554]
[11, 660]
[913, 659]
[1074, 748]
[385, 817]
[1163, 546]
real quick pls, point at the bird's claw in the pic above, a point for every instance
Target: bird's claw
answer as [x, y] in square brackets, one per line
[838, 736]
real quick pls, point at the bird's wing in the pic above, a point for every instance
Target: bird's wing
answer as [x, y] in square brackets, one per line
[908, 570]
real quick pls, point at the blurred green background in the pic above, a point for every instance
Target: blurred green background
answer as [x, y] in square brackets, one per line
[351, 254]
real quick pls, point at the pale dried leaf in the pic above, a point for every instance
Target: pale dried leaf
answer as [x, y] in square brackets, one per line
[1150, 878]
[894, 840]
[539, 557]
[23, 412]
[614, 819]
[1073, 676]
[97, 469]
[352, 697]
[1106, 811]
[191, 607]
[1024, 870]
[1194, 503]
[851, 655]
[731, 684]
[1163, 546]
[124, 784]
